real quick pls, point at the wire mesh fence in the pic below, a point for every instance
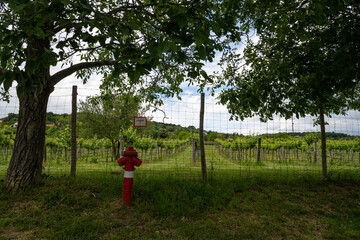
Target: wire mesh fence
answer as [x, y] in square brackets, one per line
[278, 148]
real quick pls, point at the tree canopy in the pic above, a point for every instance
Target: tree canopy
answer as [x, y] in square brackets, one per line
[133, 37]
[306, 62]
[308, 53]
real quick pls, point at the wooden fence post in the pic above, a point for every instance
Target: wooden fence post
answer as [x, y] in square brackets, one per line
[202, 147]
[193, 150]
[315, 151]
[258, 149]
[122, 146]
[73, 132]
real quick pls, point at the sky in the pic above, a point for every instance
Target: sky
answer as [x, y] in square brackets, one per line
[186, 112]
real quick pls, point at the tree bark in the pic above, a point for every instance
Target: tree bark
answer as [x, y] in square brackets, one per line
[323, 142]
[26, 161]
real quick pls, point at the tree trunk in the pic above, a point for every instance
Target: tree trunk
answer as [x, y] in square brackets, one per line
[26, 161]
[117, 151]
[45, 157]
[113, 146]
[323, 142]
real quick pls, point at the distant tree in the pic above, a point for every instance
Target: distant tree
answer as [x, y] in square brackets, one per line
[212, 136]
[11, 118]
[50, 117]
[306, 62]
[106, 115]
[184, 135]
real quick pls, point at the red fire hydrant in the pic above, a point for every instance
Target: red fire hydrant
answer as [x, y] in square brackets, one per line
[130, 160]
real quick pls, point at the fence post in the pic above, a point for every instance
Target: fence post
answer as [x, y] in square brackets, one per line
[73, 132]
[202, 147]
[193, 150]
[315, 152]
[258, 149]
[121, 146]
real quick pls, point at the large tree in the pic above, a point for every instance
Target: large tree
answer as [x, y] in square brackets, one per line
[306, 62]
[131, 36]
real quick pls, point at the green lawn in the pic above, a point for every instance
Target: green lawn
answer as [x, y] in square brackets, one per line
[169, 207]
[240, 200]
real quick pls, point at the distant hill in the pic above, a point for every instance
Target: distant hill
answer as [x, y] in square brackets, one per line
[165, 130]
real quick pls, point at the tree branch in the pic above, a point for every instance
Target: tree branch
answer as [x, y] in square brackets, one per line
[57, 77]
[127, 8]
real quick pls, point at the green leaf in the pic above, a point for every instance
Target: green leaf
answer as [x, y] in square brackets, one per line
[181, 21]
[8, 80]
[61, 44]
[134, 25]
[134, 76]
[74, 44]
[141, 60]
[20, 91]
[202, 52]
[19, 7]
[192, 74]
[204, 74]
[198, 39]
[216, 28]
[39, 32]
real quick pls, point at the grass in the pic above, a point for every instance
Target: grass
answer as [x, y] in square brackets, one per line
[168, 207]
[240, 200]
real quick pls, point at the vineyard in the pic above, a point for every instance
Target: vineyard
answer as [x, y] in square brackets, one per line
[253, 153]
[291, 151]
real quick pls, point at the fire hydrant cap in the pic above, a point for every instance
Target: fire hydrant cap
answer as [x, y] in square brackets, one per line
[130, 152]
[129, 159]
